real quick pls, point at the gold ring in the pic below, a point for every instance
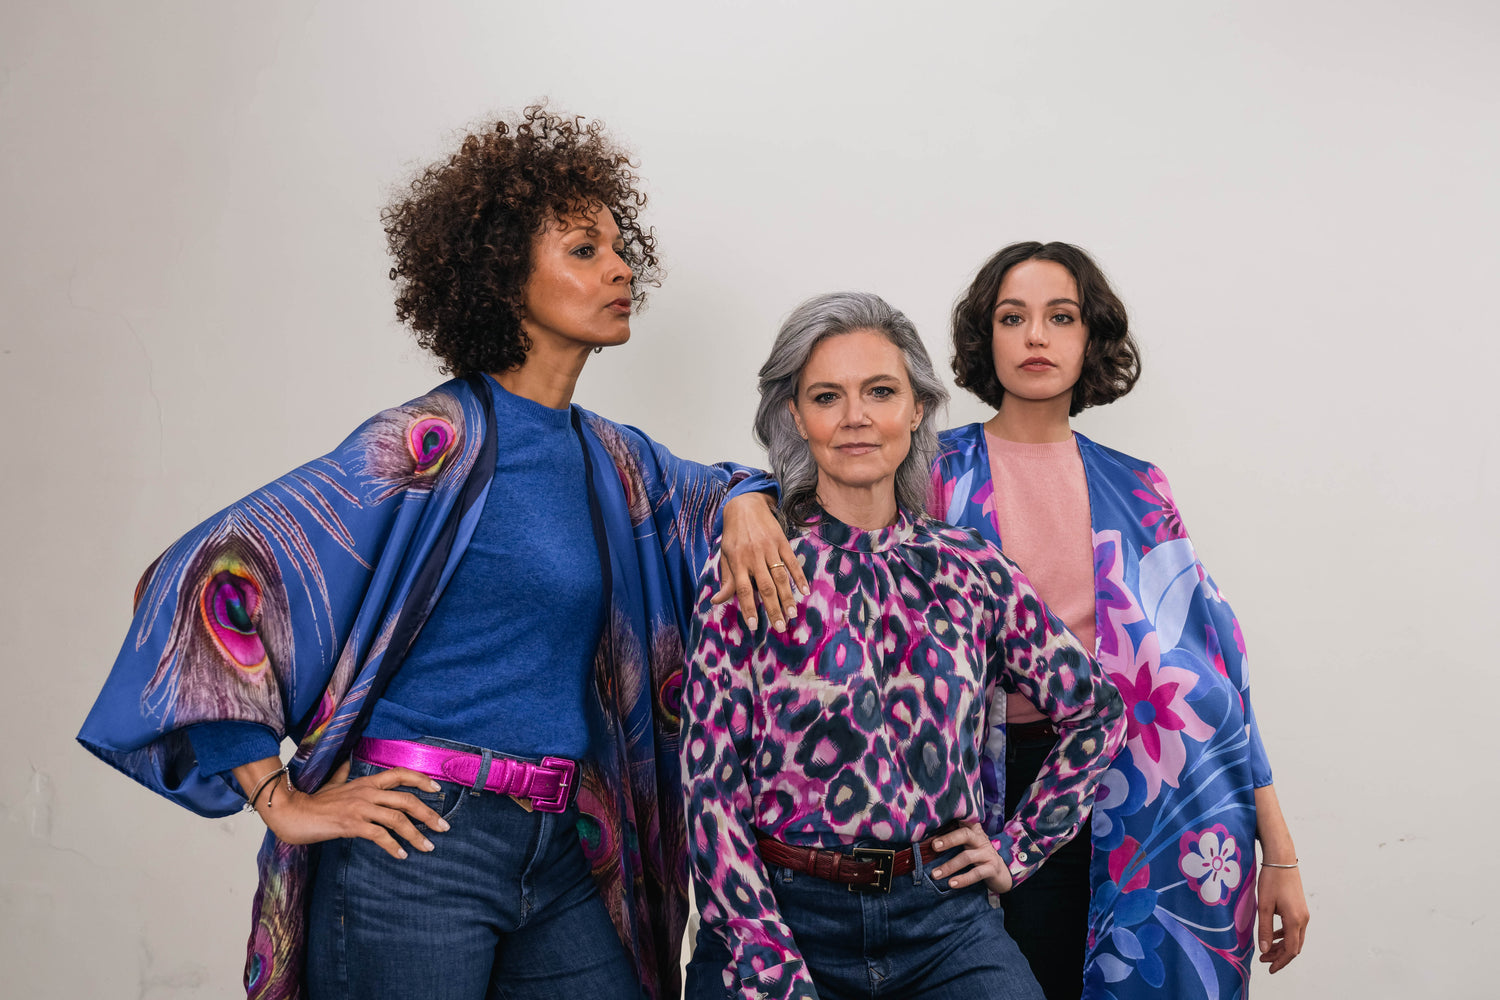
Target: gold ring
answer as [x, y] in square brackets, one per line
[776, 564]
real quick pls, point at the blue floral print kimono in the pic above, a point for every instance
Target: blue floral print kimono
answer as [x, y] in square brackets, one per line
[1173, 874]
[293, 607]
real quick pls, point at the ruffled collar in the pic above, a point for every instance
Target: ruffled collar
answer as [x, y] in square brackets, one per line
[831, 531]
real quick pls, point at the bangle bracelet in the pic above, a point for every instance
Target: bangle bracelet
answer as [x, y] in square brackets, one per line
[262, 786]
[1268, 864]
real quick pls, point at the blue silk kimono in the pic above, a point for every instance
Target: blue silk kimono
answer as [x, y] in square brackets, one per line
[293, 607]
[1173, 873]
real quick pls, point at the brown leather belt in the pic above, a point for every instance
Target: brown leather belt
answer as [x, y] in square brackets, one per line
[862, 869]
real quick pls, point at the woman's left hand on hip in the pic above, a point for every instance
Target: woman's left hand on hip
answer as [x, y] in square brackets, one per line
[978, 861]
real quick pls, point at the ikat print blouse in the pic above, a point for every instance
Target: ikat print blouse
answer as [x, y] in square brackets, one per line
[864, 721]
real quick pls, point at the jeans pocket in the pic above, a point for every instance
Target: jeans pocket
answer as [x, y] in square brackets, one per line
[940, 885]
[446, 801]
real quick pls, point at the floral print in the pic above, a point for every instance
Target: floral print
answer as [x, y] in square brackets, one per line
[1158, 716]
[864, 721]
[1174, 817]
[1165, 518]
[1211, 858]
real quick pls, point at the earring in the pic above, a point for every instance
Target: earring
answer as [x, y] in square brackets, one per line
[598, 350]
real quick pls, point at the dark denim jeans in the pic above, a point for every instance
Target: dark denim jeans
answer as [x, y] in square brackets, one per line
[504, 906]
[917, 941]
[1048, 914]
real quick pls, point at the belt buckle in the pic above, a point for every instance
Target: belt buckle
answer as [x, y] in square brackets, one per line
[885, 863]
[559, 802]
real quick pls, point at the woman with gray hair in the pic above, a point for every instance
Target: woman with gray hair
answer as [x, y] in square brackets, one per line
[833, 767]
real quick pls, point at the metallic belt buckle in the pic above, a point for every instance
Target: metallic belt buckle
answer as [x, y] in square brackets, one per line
[559, 802]
[885, 862]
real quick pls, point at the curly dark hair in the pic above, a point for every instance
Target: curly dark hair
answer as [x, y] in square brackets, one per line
[462, 234]
[1111, 359]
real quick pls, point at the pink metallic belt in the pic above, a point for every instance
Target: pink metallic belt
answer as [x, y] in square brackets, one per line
[548, 785]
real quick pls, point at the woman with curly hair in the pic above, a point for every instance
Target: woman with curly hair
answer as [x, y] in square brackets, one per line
[469, 617]
[1160, 897]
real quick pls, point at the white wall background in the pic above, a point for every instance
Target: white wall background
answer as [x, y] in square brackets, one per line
[1297, 200]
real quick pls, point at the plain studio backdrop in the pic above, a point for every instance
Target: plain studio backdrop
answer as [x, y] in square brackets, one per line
[1296, 201]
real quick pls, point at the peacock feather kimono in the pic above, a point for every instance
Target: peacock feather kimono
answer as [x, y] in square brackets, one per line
[1173, 870]
[294, 607]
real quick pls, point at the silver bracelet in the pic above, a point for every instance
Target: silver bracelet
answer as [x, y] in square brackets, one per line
[1268, 864]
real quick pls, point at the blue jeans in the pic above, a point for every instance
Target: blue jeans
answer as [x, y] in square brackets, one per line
[504, 906]
[918, 940]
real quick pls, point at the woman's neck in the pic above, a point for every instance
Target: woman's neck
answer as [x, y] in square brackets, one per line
[1032, 421]
[868, 508]
[546, 376]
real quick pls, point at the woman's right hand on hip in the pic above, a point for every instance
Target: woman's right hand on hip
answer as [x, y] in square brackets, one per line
[368, 807]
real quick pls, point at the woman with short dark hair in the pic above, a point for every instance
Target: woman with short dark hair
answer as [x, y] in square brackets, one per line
[1160, 899]
[833, 782]
[528, 566]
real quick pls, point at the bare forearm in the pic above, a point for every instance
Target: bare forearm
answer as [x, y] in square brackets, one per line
[251, 775]
[1271, 830]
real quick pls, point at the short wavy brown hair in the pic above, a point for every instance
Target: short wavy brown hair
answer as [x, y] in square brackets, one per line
[462, 233]
[1111, 358]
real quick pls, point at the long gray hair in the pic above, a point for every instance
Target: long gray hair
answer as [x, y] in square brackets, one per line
[809, 324]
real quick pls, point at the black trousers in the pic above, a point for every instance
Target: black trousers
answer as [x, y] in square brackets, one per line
[1048, 914]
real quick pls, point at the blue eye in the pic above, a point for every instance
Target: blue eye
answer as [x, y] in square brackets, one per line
[1062, 319]
[824, 398]
[1009, 319]
[882, 392]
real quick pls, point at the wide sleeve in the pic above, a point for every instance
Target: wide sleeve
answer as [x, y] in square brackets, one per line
[243, 619]
[1035, 655]
[1228, 642]
[733, 889]
[679, 501]
[1222, 643]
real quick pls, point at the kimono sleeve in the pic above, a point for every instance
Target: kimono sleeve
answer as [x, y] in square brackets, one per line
[730, 878]
[1223, 644]
[684, 500]
[243, 619]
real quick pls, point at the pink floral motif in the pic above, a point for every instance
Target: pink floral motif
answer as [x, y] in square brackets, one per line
[1244, 909]
[1117, 606]
[1157, 714]
[1166, 518]
[1212, 859]
[1120, 862]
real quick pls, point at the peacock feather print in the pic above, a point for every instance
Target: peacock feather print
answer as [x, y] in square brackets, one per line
[234, 621]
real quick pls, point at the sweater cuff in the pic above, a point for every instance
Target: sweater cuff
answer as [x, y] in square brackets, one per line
[223, 746]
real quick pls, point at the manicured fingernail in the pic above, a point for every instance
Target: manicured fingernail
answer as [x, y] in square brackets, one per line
[953, 883]
[780, 625]
[401, 853]
[937, 873]
[426, 844]
[751, 622]
[442, 825]
[433, 786]
[937, 845]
